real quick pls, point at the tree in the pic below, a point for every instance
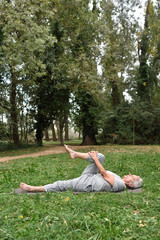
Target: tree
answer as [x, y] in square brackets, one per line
[149, 56]
[118, 34]
[87, 82]
[118, 31]
[24, 40]
[52, 88]
[87, 116]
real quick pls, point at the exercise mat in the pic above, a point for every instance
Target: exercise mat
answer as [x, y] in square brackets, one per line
[137, 190]
[20, 191]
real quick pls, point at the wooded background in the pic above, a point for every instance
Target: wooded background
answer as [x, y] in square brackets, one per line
[91, 65]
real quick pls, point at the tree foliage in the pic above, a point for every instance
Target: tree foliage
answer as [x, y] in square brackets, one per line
[23, 45]
[119, 25]
[50, 53]
[149, 54]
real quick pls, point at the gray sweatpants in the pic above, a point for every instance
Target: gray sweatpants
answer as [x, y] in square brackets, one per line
[82, 183]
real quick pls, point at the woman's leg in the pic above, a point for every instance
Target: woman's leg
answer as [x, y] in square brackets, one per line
[58, 186]
[92, 168]
[73, 154]
[30, 188]
[61, 186]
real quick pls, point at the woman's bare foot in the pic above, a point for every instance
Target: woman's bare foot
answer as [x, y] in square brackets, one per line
[26, 187]
[70, 151]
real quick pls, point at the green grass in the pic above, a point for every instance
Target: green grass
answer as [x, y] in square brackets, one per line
[98, 216]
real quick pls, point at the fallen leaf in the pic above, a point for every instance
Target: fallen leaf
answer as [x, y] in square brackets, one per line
[142, 225]
[67, 199]
[136, 212]
[65, 222]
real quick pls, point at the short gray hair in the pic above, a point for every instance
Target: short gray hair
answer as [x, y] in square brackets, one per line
[138, 183]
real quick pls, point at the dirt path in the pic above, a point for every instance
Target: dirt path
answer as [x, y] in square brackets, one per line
[108, 148]
[54, 150]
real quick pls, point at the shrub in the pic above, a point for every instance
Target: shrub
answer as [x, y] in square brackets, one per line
[4, 131]
[132, 124]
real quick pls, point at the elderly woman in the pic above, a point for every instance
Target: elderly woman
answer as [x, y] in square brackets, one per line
[93, 179]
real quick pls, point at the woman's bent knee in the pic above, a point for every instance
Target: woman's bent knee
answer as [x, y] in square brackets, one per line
[101, 157]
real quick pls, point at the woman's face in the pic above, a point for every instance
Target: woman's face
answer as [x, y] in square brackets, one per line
[128, 179]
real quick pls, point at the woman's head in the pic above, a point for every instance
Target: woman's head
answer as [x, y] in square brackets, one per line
[132, 181]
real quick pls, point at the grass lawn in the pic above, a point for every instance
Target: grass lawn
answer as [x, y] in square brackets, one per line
[85, 216]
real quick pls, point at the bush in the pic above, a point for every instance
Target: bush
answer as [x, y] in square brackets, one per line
[132, 124]
[4, 131]
[4, 146]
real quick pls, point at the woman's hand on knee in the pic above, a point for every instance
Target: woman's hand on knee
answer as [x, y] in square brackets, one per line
[93, 154]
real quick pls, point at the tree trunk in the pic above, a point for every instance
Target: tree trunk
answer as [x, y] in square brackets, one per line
[46, 134]
[88, 117]
[14, 117]
[133, 132]
[58, 130]
[66, 130]
[89, 133]
[79, 135]
[53, 132]
[39, 127]
[115, 94]
[39, 135]
[10, 134]
[61, 125]
[87, 140]
[21, 123]
[21, 131]
[25, 129]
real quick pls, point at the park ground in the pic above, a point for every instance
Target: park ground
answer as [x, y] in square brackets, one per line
[85, 216]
